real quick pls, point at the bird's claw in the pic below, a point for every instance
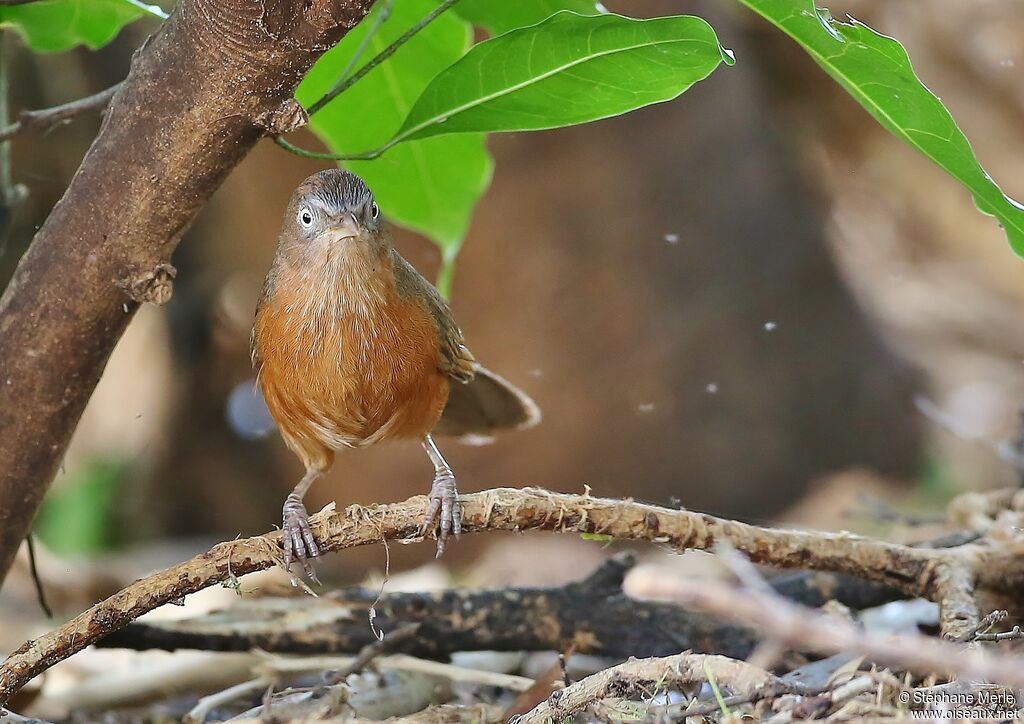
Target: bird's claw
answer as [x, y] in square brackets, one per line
[297, 537]
[444, 509]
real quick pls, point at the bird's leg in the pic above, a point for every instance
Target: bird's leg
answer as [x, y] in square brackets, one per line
[296, 536]
[444, 499]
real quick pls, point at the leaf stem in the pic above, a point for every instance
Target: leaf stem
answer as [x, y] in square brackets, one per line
[306, 153]
[346, 83]
[382, 16]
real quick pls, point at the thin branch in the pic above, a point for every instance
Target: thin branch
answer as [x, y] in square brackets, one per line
[1013, 634]
[809, 630]
[326, 156]
[343, 77]
[911, 570]
[34, 570]
[39, 121]
[346, 83]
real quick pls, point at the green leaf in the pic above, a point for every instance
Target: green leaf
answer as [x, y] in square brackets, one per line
[568, 69]
[56, 25]
[77, 516]
[876, 71]
[430, 185]
[500, 17]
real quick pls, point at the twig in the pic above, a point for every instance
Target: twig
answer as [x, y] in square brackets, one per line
[364, 43]
[43, 119]
[912, 570]
[1012, 634]
[637, 677]
[346, 83]
[403, 662]
[809, 630]
[34, 570]
[202, 709]
[371, 651]
[398, 662]
[990, 620]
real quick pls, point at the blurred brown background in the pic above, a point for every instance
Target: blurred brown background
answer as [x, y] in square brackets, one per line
[731, 300]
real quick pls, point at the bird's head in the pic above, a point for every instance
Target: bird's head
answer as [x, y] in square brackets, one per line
[331, 208]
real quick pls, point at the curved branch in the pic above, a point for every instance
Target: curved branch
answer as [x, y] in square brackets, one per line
[909, 569]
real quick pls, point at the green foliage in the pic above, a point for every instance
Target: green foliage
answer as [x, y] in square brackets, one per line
[427, 106]
[876, 71]
[56, 25]
[430, 185]
[76, 517]
[569, 69]
[500, 17]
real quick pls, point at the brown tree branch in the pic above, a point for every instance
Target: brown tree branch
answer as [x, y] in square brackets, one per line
[215, 78]
[43, 119]
[911, 570]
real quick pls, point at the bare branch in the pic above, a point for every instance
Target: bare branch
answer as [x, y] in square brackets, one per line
[42, 120]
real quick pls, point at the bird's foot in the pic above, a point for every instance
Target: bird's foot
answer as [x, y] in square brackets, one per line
[444, 508]
[297, 537]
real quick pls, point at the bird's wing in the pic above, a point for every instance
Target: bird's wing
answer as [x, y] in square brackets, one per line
[456, 360]
[485, 405]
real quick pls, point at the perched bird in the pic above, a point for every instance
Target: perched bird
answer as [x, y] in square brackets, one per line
[352, 347]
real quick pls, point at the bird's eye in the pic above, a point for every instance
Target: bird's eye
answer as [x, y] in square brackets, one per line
[306, 217]
[374, 210]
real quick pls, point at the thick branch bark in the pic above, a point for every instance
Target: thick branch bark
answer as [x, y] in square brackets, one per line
[912, 570]
[217, 76]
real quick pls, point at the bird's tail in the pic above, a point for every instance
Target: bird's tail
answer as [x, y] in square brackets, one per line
[484, 405]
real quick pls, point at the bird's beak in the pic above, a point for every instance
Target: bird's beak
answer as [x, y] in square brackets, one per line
[346, 227]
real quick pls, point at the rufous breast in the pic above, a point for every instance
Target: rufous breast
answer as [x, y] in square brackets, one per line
[345, 359]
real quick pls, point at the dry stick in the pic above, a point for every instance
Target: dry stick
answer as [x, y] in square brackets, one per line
[990, 620]
[643, 677]
[46, 118]
[911, 570]
[809, 630]
[36, 580]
